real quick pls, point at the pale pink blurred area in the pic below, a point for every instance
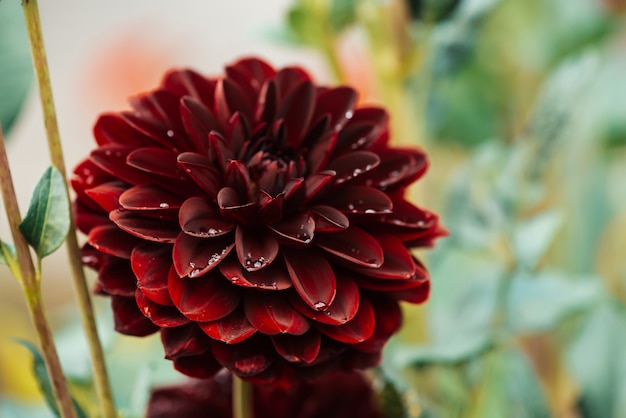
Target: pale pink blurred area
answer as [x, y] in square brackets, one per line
[99, 54]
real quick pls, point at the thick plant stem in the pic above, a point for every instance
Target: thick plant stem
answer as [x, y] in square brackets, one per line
[103, 388]
[242, 398]
[30, 284]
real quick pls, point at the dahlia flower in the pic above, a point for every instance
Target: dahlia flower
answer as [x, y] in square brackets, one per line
[256, 220]
[335, 395]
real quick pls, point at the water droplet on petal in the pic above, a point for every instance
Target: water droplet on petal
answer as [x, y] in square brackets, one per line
[320, 306]
[164, 205]
[170, 133]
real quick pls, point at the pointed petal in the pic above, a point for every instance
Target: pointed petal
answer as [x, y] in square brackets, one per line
[206, 299]
[160, 315]
[189, 83]
[329, 219]
[366, 126]
[359, 200]
[255, 249]
[195, 257]
[256, 70]
[198, 218]
[339, 102]
[272, 314]
[198, 120]
[318, 183]
[111, 240]
[237, 177]
[417, 294]
[343, 309]
[149, 197]
[353, 245]
[359, 329]
[107, 194]
[158, 161]
[271, 208]
[128, 318]
[288, 78]
[112, 159]
[151, 264]
[232, 329]
[312, 277]
[297, 111]
[353, 164]
[398, 167]
[297, 231]
[200, 169]
[388, 322]
[234, 209]
[150, 229]
[246, 359]
[272, 277]
[111, 128]
[398, 263]
[300, 349]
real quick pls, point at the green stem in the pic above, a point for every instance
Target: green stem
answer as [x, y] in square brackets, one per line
[103, 388]
[242, 398]
[30, 284]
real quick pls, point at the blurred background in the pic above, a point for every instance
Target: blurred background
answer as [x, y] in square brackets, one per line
[521, 106]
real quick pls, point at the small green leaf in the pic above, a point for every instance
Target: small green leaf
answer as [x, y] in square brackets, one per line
[8, 257]
[48, 218]
[532, 237]
[41, 374]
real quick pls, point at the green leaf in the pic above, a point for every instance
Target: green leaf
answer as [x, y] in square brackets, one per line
[597, 361]
[15, 62]
[342, 14]
[41, 374]
[532, 237]
[9, 257]
[48, 218]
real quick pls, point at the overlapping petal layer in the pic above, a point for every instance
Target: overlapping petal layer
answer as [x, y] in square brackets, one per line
[257, 220]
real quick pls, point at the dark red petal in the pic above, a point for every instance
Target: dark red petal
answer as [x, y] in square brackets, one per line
[190, 83]
[366, 126]
[256, 249]
[204, 299]
[201, 366]
[321, 152]
[185, 340]
[398, 167]
[297, 111]
[116, 278]
[246, 359]
[237, 177]
[343, 309]
[230, 98]
[107, 194]
[199, 218]
[359, 329]
[295, 193]
[151, 264]
[238, 133]
[256, 70]
[162, 316]
[112, 159]
[338, 103]
[288, 78]
[318, 183]
[296, 231]
[353, 164]
[111, 240]
[271, 208]
[234, 209]
[128, 318]
[149, 197]
[195, 257]
[353, 245]
[312, 277]
[87, 219]
[232, 329]
[158, 161]
[300, 349]
[273, 277]
[329, 219]
[111, 128]
[150, 229]
[359, 200]
[157, 132]
[200, 169]
[271, 314]
[198, 120]
[388, 285]
[398, 263]
[417, 294]
[388, 322]
[267, 104]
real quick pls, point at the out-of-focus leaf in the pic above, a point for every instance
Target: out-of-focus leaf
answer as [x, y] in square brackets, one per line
[15, 63]
[342, 14]
[304, 26]
[41, 374]
[532, 237]
[540, 302]
[12, 408]
[597, 360]
[48, 218]
[9, 257]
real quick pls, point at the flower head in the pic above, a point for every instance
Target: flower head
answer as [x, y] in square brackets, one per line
[336, 395]
[257, 220]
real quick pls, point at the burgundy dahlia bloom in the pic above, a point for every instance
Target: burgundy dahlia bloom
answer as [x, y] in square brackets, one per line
[335, 395]
[256, 220]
